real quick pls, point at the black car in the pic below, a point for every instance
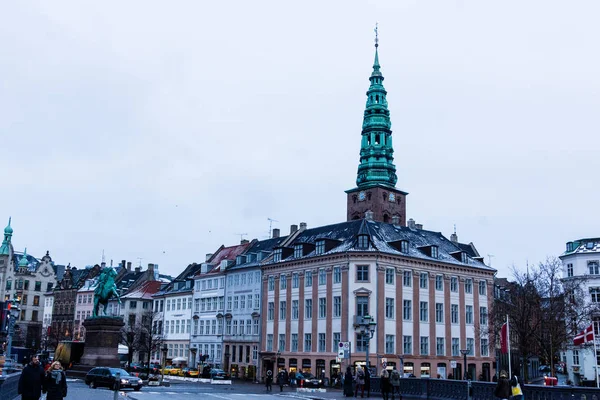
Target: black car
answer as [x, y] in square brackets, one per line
[216, 373]
[155, 369]
[107, 377]
[308, 380]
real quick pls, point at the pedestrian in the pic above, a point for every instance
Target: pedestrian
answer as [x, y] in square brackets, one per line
[503, 390]
[517, 392]
[31, 380]
[348, 378]
[55, 382]
[269, 381]
[360, 381]
[385, 383]
[281, 379]
[368, 381]
[395, 382]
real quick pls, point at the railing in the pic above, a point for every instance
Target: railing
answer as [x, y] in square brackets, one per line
[9, 385]
[442, 389]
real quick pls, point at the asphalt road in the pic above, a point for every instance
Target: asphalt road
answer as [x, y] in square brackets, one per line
[188, 391]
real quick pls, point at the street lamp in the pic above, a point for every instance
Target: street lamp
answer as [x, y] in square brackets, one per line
[164, 350]
[193, 350]
[464, 352]
[13, 309]
[366, 329]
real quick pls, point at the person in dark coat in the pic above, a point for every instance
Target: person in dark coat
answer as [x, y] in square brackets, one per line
[55, 382]
[281, 378]
[31, 380]
[503, 389]
[269, 381]
[368, 382]
[348, 378]
[385, 384]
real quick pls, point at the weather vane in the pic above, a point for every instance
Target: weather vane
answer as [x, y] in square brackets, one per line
[376, 35]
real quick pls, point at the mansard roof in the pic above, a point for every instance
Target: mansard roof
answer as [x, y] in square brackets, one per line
[381, 235]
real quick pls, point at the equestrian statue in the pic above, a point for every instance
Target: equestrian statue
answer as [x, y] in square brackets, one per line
[105, 289]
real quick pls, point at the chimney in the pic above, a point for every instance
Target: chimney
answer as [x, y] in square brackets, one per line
[276, 232]
[151, 269]
[156, 273]
[293, 228]
[123, 263]
[369, 215]
[129, 266]
[244, 241]
[396, 220]
[454, 238]
[208, 256]
[419, 226]
[411, 223]
[138, 269]
[302, 226]
[103, 264]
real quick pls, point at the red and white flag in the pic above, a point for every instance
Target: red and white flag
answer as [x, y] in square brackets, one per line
[504, 338]
[586, 335]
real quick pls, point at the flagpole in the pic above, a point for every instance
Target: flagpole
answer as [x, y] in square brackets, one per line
[508, 345]
[595, 355]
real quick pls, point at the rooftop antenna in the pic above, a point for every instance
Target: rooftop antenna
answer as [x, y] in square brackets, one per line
[140, 260]
[103, 258]
[490, 259]
[271, 220]
[241, 235]
[376, 34]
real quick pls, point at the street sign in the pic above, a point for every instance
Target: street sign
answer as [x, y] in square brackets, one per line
[344, 349]
[452, 364]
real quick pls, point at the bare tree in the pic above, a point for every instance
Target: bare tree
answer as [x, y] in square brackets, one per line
[151, 337]
[130, 337]
[565, 308]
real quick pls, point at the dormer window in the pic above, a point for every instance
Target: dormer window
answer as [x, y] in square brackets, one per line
[240, 260]
[404, 246]
[569, 246]
[320, 249]
[298, 251]
[464, 258]
[277, 255]
[589, 245]
[363, 242]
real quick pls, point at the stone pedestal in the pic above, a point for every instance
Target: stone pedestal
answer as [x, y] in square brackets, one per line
[102, 337]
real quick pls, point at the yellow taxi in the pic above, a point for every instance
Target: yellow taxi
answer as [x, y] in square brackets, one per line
[189, 372]
[175, 370]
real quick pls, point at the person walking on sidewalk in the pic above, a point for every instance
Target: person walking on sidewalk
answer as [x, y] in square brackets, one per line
[55, 382]
[31, 380]
[385, 384]
[348, 383]
[395, 383]
[360, 381]
[269, 381]
[503, 389]
[281, 377]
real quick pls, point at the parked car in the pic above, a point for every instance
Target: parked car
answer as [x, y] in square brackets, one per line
[216, 373]
[175, 370]
[189, 372]
[544, 368]
[308, 380]
[107, 377]
[167, 370]
[137, 367]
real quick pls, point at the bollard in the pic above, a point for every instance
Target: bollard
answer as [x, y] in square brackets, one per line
[117, 385]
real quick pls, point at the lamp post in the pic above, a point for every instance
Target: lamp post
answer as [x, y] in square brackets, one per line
[276, 369]
[365, 326]
[13, 309]
[164, 350]
[464, 352]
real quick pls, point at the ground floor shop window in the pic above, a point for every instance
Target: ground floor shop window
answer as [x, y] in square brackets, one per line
[425, 370]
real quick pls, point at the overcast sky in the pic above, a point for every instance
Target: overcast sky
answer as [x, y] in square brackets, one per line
[161, 130]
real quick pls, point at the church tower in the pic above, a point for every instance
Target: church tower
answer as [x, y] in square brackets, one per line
[375, 189]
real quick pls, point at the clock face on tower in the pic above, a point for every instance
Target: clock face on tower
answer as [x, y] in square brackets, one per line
[362, 196]
[392, 197]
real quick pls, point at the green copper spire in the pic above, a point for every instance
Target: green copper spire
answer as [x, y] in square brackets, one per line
[23, 262]
[5, 248]
[376, 152]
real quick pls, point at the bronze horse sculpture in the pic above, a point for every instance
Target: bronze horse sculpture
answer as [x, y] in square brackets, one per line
[105, 289]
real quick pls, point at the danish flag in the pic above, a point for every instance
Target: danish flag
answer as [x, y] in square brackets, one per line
[586, 335]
